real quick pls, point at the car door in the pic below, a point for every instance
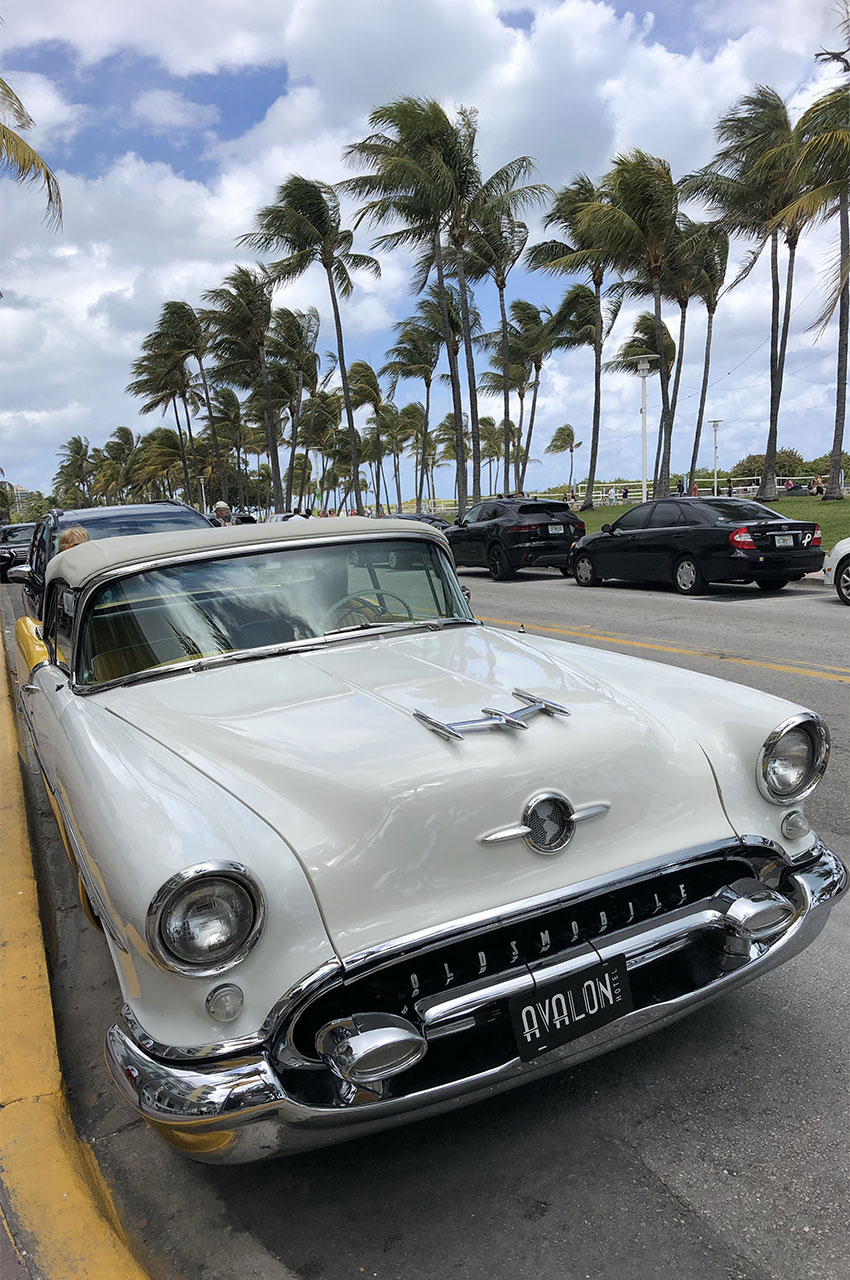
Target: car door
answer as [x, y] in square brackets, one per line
[46, 694]
[484, 530]
[460, 536]
[617, 552]
[33, 588]
[664, 540]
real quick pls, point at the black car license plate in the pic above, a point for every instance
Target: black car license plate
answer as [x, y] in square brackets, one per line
[566, 1008]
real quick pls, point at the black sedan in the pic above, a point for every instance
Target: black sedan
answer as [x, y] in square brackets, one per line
[516, 533]
[14, 546]
[425, 517]
[693, 541]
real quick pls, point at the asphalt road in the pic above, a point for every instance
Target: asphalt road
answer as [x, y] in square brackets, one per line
[717, 1147]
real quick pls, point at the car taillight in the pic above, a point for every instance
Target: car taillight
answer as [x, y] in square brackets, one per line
[816, 538]
[521, 528]
[580, 528]
[742, 538]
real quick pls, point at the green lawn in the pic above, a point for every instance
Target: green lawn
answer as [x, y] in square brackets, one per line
[833, 517]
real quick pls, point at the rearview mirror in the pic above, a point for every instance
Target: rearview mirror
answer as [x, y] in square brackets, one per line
[19, 573]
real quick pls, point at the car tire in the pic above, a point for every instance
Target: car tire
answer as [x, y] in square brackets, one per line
[842, 581]
[688, 577]
[3, 577]
[498, 563]
[772, 584]
[584, 571]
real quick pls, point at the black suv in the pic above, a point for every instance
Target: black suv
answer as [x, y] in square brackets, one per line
[508, 534]
[14, 545]
[100, 522]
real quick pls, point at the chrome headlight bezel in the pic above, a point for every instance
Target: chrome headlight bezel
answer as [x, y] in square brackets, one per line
[189, 877]
[816, 729]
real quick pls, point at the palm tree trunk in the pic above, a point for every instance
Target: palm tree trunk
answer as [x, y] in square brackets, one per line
[186, 481]
[709, 326]
[192, 447]
[219, 465]
[295, 418]
[424, 467]
[451, 355]
[767, 486]
[833, 484]
[474, 429]
[526, 453]
[506, 388]
[597, 397]
[268, 418]
[346, 396]
[666, 424]
[680, 355]
[518, 444]
[768, 479]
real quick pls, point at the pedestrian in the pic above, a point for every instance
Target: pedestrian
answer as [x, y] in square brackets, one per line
[612, 496]
[222, 512]
[680, 488]
[818, 485]
[695, 490]
[729, 492]
[625, 494]
[73, 536]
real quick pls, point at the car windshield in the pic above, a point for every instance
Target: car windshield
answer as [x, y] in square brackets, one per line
[238, 604]
[115, 524]
[16, 536]
[737, 509]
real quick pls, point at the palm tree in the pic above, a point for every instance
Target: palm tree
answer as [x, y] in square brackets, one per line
[493, 444]
[238, 322]
[365, 389]
[159, 384]
[712, 250]
[292, 338]
[564, 439]
[415, 356]
[304, 222]
[634, 228]
[579, 252]
[425, 174]
[16, 154]
[76, 468]
[753, 177]
[496, 246]
[643, 342]
[822, 137]
[226, 416]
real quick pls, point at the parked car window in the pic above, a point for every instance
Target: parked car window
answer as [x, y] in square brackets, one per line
[634, 519]
[17, 535]
[736, 509]
[543, 508]
[473, 514]
[666, 514]
[112, 525]
[40, 542]
[272, 598]
[490, 511]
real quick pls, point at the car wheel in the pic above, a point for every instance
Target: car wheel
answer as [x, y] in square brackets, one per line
[688, 577]
[584, 571]
[771, 584]
[497, 563]
[842, 581]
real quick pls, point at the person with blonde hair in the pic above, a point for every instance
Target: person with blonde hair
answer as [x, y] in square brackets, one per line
[72, 537]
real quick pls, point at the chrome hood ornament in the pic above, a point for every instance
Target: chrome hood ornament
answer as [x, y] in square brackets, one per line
[493, 718]
[548, 823]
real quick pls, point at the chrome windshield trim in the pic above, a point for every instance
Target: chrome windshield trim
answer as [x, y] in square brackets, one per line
[241, 655]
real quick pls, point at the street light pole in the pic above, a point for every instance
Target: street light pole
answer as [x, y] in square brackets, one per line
[715, 423]
[643, 371]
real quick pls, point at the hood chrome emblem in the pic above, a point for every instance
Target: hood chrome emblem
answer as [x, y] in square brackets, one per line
[548, 823]
[494, 719]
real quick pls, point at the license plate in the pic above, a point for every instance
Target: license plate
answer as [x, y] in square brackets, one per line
[784, 539]
[556, 528]
[566, 1008]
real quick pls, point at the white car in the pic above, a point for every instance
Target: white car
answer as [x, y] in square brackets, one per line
[359, 859]
[836, 570]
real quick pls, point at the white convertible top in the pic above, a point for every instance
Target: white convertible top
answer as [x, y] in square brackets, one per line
[78, 564]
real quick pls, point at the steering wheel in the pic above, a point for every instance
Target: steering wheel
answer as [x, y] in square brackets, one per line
[358, 605]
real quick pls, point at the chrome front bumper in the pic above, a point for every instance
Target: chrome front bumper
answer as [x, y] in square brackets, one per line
[238, 1110]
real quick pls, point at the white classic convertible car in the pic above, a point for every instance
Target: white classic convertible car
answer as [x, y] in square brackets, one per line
[359, 858]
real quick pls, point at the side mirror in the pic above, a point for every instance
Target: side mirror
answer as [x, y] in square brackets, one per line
[19, 573]
[459, 520]
[606, 528]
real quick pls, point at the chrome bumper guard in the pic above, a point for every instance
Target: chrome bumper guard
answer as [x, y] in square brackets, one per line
[238, 1110]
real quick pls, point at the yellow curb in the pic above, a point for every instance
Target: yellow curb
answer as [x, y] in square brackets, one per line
[59, 1208]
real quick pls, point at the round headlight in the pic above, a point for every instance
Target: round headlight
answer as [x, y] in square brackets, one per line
[793, 759]
[205, 919]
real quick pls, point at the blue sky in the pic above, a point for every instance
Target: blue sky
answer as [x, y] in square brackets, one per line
[170, 124]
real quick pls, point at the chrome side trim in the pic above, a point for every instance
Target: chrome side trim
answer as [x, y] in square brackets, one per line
[493, 718]
[816, 728]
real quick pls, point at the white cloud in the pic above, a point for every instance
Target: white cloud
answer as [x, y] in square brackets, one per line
[56, 120]
[165, 111]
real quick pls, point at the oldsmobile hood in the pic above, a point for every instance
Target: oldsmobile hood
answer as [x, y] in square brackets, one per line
[386, 816]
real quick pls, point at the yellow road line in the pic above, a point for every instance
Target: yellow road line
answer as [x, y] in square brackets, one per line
[586, 634]
[55, 1197]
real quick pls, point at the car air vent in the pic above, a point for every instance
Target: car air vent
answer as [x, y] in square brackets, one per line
[443, 967]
